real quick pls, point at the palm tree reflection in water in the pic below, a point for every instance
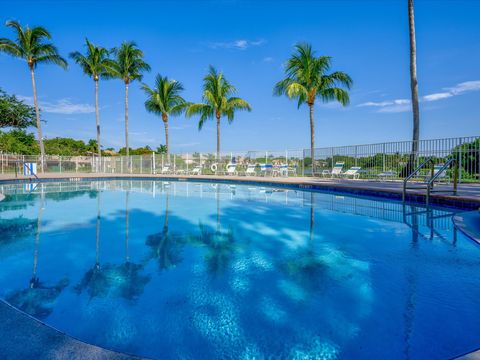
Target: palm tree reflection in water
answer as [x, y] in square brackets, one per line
[220, 243]
[38, 299]
[166, 247]
[123, 280]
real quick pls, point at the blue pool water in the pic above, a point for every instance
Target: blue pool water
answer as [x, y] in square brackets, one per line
[180, 270]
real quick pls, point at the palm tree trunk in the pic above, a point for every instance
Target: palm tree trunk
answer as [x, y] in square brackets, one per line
[97, 118]
[218, 138]
[312, 138]
[126, 125]
[165, 123]
[39, 125]
[414, 87]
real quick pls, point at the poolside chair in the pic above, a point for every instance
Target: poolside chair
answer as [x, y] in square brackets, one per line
[166, 169]
[197, 170]
[251, 170]
[266, 169]
[231, 169]
[442, 174]
[389, 174]
[337, 169]
[352, 172]
[284, 170]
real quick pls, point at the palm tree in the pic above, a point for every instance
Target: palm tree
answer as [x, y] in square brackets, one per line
[128, 66]
[96, 64]
[307, 79]
[217, 102]
[32, 46]
[414, 87]
[165, 100]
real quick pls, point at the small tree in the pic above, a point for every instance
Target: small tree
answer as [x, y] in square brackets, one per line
[14, 112]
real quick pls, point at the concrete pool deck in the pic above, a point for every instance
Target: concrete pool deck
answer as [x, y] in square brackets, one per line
[467, 198]
[27, 338]
[24, 337]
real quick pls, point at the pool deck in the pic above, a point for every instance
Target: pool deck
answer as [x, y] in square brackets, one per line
[467, 198]
[27, 338]
[24, 337]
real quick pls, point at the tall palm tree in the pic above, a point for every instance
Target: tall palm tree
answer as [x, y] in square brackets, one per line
[414, 87]
[217, 101]
[96, 64]
[128, 66]
[307, 79]
[165, 100]
[32, 46]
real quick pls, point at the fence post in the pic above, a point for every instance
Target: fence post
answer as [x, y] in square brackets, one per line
[186, 162]
[174, 163]
[384, 150]
[303, 162]
[332, 160]
[154, 171]
[356, 154]
[460, 165]
[60, 164]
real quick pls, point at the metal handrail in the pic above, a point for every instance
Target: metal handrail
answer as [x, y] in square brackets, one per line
[414, 172]
[435, 176]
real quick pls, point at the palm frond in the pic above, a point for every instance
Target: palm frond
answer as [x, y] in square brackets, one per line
[307, 77]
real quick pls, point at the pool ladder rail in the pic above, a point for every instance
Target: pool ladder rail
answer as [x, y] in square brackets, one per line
[435, 174]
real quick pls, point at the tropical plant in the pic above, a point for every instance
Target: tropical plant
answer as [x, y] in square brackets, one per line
[165, 100]
[14, 112]
[128, 66]
[217, 102]
[307, 79]
[96, 64]
[32, 46]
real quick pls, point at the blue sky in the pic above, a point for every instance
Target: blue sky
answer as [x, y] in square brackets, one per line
[249, 41]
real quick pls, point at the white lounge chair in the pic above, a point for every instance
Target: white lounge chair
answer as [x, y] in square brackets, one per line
[337, 169]
[352, 172]
[231, 169]
[266, 169]
[389, 174]
[166, 169]
[284, 170]
[197, 170]
[251, 170]
[442, 174]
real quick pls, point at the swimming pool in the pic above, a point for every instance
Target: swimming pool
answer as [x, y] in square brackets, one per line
[202, 270]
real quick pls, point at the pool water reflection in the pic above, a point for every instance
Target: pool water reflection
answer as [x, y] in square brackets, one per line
[198, 270]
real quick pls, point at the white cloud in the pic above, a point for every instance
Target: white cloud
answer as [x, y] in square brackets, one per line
[241, 44]
[268, 59]
[62, 106]
[437, 96]
[466, 86]
[402, 105]
[395, 108]
[186, 144]
[388, 103]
